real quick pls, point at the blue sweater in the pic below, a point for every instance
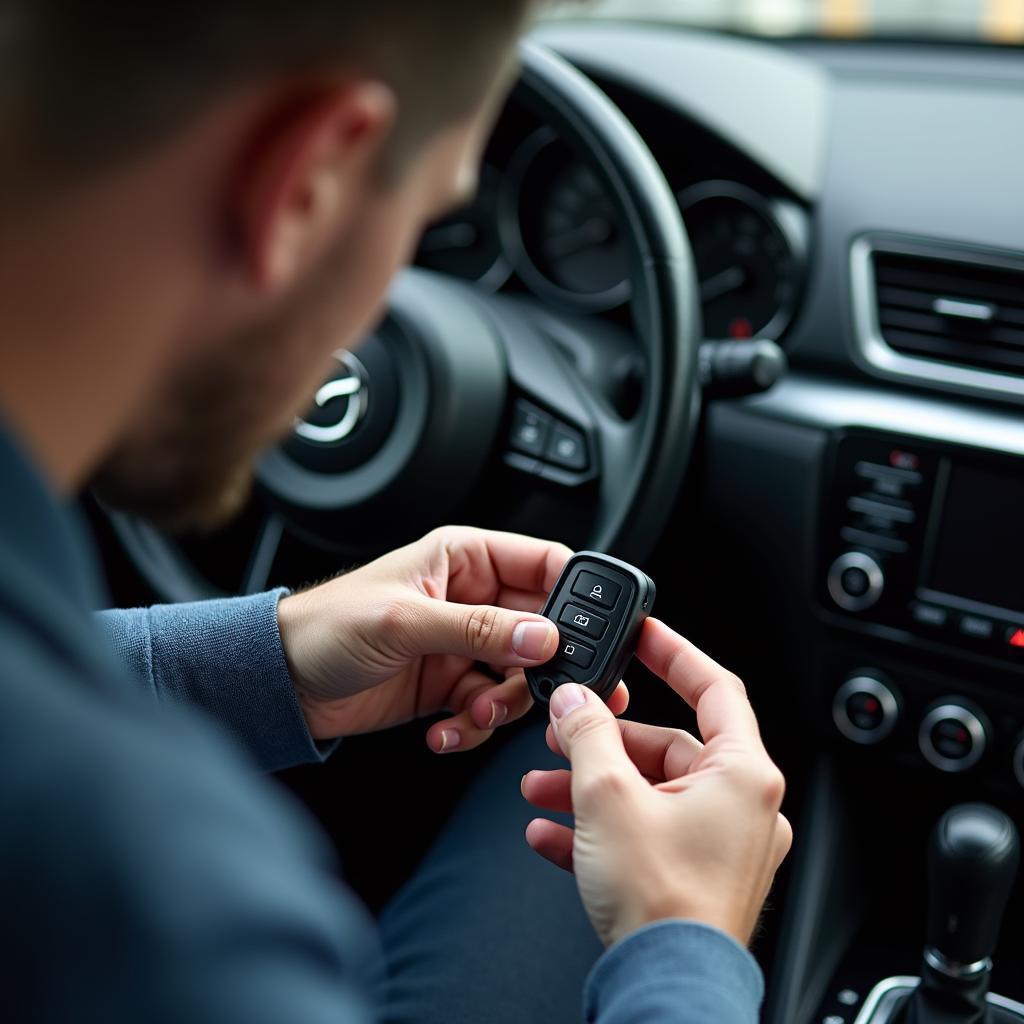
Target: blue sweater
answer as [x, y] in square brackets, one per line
[148, 873]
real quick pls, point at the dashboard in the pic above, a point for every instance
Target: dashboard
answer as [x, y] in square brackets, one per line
[849, 541]
[541, 223]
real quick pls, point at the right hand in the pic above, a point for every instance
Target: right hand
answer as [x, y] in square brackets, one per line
[665, 826]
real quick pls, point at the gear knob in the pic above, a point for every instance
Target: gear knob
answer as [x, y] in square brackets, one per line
[972, 864]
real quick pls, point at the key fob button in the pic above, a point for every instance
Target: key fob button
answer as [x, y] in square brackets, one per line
[579, 654]
[583, 620]
[598, 589]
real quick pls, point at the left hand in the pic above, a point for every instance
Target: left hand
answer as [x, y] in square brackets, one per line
[402, 637]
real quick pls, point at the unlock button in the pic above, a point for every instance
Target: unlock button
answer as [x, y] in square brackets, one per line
[598, 589]
[583, 620]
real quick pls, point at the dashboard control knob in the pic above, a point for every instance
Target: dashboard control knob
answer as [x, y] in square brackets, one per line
[865, 709]
[855, 581]
[952, 737]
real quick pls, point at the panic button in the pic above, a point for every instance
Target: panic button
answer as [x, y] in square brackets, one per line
[592, 587]
[583, 620]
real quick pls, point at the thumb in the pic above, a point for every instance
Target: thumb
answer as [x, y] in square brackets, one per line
[483, 632]
[591, 739]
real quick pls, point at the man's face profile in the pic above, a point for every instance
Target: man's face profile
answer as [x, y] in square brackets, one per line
[189, 461]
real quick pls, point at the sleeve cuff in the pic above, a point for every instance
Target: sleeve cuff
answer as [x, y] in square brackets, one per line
[225, 657]
[674, 970]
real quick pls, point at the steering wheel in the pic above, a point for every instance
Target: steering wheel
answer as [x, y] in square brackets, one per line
[492, 409]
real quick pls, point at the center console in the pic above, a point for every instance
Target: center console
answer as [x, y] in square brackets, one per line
[922, 550]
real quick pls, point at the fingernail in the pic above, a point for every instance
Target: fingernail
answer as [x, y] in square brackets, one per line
[499, 712]
[522, 785]
[450, 739]
[567, 699]
[531, 639]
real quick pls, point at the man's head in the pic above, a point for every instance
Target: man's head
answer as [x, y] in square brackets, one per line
[252, 173]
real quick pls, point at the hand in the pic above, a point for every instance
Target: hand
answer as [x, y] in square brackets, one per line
[401, 638]
[665, 826]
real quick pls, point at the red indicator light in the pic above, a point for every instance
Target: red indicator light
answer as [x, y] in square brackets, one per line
[961, 735]
[740, 327]
[871, 705]
[1016, 638]
[903, 460]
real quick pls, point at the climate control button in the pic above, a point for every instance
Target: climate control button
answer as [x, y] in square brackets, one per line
[952, 738]
[855, 581]
[865, 709]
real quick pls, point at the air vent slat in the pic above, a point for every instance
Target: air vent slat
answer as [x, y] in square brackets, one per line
[960, 312]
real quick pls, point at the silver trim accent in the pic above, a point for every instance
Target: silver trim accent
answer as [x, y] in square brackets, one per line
[877, 689]
[938, 961]
[969, 720]
[872, 350]
[876, 581]
[965, 310]
[887, 995]
[354, 388]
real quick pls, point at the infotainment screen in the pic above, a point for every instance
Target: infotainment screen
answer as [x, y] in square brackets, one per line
[979, 548]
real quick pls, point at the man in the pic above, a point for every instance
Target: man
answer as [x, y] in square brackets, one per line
[200, 203]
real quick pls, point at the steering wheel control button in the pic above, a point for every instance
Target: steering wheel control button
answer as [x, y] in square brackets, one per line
[530, 429]
[952, 738]
[583, 620]
[855, 581]
[597, 589]
[976, 627]
[566, 447]
[576, 653]
[865, 710]
[594, 649]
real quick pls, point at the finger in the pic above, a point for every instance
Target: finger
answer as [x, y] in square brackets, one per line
[618, 702]
[498, 636]
[589, 735]
[549, 790]
[520, 600]
[502, 703]
[658, 752]
[552, 841]
[716, 694]
[483, 561]
[460, 731]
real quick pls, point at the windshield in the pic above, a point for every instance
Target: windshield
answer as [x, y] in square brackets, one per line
[984, 21]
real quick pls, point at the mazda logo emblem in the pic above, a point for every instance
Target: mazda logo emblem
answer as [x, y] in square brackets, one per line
[351, 386]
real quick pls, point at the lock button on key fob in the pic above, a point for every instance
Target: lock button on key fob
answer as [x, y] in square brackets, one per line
[599, 605]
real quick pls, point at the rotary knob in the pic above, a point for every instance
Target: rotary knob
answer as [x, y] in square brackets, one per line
[865, 709]
[855, 581]
[952, 737]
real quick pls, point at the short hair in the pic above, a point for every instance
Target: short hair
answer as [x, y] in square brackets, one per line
[89, 81]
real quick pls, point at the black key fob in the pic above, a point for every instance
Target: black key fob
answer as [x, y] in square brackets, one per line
[599, 605]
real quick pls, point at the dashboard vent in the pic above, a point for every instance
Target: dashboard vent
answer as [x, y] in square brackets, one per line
[954, 311]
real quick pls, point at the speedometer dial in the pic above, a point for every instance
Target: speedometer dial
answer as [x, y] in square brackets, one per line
[748, 262]
[563, 230]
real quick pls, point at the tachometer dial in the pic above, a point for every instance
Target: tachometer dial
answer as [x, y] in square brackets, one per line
[749, 261]
[563, 230]
[467, 243]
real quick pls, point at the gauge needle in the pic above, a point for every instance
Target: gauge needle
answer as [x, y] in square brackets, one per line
[450, 236]
[725, 281]
[591, 232]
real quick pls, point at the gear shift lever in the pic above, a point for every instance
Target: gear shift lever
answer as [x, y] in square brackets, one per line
[972, 864]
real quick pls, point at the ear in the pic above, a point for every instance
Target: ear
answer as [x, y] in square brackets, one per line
[304, 174]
